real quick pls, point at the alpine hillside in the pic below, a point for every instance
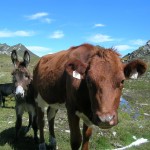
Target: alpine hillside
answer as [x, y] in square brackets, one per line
[134, 111]
[142, 52]
[6, 65]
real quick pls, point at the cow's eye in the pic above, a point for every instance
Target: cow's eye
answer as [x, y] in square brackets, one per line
[122, 82]
[89, 82]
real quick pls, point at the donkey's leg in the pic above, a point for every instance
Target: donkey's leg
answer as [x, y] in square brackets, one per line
[1, 99]
[51, 113]
[30, 123]
[87, 132]
[34, 126]
[41, 123]
[75, 134]
[19, 113]
[30, 120]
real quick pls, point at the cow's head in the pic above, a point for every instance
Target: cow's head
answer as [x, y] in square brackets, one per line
[104, 75]
[20, 75]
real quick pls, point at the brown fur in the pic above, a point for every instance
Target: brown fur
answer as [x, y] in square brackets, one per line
[96, 94]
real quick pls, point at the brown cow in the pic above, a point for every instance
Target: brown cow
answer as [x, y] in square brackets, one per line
[88, 80]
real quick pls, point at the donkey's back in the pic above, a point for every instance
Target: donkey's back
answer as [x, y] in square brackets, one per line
[5, 90]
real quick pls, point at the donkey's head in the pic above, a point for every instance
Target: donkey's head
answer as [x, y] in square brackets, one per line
[21, 75]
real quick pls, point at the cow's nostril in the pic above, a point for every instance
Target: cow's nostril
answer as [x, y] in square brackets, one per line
[102, 118]
[106, 118]
[109, 118]
[112, 122]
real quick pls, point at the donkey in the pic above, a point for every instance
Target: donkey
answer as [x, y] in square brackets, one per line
[5, 90]
[24, 93]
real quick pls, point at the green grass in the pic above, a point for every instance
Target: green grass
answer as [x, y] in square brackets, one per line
[7, 130]
[137, 92]
[101, 139]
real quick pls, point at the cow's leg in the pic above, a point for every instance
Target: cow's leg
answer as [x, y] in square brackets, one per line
[19, 113]
[75, 134]
[51, 113]
[87, 132]
[41, 123]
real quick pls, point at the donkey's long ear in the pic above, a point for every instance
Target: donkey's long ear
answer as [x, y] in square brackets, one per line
[26, 58]
[14, 57]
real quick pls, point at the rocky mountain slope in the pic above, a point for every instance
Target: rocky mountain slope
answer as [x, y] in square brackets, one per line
[6, 49]
[6, 65]
[142, 52]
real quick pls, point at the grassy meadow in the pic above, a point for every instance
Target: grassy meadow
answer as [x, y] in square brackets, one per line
[134, 121]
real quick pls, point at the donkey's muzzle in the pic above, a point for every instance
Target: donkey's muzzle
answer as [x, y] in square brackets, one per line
[19, 91]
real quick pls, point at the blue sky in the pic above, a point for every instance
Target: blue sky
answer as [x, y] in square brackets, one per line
[48, 26]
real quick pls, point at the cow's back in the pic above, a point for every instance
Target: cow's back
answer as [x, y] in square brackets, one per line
[48, 77]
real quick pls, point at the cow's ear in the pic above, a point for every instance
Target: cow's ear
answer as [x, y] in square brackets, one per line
[26, 58]
[134, 69]
[14, 58]
[76, 68]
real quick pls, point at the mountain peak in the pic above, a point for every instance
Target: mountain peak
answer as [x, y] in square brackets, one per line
[148, 42]
[141, 52]
[19, 47]
[6, 49]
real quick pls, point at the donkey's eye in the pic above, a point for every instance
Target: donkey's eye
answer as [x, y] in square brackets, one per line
[26, 76]
[14, 80]
[13, 73]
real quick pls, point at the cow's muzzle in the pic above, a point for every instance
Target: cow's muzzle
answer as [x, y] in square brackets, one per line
[106, 120]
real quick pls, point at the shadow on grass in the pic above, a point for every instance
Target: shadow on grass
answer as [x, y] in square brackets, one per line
[8, 107]
[23, 143]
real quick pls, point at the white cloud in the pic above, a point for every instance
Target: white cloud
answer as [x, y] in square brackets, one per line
[57, 34]
[123, 47]
[47, 20]
[21, 33]
[99, 25]
[138, 42]
[37, 15]
[41, 16]
[39, 50]
[100, 38]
